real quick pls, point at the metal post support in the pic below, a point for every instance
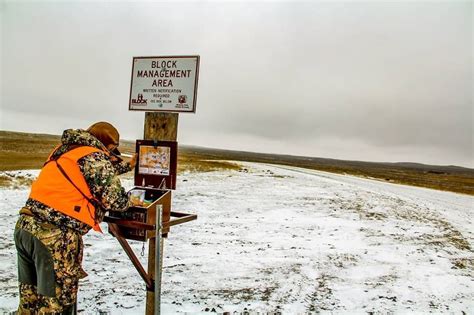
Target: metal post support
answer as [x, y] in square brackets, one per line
[158, 258]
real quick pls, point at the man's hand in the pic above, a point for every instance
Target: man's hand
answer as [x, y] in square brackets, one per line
[114, 159]
[133, 161]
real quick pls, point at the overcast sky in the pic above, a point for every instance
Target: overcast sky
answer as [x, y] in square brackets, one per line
[373, 81]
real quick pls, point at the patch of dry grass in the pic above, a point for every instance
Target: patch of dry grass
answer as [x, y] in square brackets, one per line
[463, 263]
[29, 151]
[15, 181]
[187, 163]
[20, 151]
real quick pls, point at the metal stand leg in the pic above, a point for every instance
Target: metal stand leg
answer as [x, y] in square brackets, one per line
[158, 260]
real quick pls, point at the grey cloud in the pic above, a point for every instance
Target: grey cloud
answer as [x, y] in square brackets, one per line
[384, 75]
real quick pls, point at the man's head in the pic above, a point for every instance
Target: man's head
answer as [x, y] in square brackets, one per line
[107, 134]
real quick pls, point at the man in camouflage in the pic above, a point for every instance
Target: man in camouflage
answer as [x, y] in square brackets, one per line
[49, 242]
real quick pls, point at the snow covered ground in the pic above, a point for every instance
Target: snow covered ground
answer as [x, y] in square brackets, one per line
[285, 239]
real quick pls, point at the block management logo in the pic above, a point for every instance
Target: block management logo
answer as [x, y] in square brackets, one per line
[139, 100]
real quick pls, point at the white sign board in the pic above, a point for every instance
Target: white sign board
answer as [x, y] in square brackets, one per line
[164, 84]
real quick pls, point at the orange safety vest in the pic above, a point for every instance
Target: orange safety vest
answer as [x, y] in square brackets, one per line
[53, 189]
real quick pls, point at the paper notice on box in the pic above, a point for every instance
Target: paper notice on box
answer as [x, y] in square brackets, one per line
[154, 160]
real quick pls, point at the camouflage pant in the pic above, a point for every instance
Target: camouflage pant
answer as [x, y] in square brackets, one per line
[49, 267]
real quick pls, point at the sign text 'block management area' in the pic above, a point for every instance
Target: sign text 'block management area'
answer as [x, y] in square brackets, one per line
[167, 84]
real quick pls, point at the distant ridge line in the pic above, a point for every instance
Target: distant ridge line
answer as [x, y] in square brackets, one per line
[403, 164]
[415, 165]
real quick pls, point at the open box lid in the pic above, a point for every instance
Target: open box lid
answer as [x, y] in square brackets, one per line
[156, 164]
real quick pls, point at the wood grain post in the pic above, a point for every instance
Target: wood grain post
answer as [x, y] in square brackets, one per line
[161, 126]
[164, 127]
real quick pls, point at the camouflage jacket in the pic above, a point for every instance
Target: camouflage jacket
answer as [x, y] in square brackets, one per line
[101, 176]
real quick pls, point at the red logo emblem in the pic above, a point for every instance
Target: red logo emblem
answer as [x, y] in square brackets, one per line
[182, 99]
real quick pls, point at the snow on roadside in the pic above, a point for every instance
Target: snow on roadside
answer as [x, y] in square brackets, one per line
[285, 239]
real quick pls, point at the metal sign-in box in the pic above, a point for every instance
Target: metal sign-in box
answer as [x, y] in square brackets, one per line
[144, 214]
[156, 172]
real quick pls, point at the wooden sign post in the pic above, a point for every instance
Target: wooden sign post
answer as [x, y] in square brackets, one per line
[158, 126]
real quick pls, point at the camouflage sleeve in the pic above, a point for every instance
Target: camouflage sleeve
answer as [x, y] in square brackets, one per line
[103, 181]
[122, 167]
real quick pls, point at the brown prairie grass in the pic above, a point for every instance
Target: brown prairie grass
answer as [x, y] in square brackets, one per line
[19, 151]
[190, 163]
[29, 151]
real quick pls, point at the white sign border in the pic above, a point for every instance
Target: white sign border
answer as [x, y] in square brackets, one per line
[165, 110]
